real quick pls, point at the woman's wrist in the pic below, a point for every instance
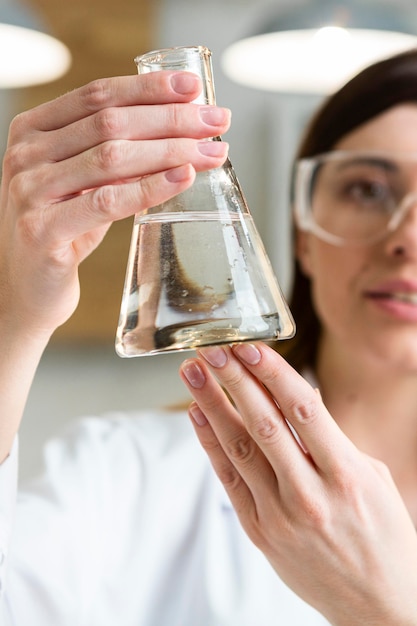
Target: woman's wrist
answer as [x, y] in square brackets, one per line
[21, 353]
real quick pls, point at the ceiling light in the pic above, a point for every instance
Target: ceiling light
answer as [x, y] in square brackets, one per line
[27, 55]
[316, 48]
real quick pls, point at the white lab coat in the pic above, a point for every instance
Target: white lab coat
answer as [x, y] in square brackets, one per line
[129, 526]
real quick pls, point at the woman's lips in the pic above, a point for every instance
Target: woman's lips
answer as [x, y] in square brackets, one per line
[403, 296]
[398, 298]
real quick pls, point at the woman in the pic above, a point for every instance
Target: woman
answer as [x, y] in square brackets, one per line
[355, 304]
[129, 524]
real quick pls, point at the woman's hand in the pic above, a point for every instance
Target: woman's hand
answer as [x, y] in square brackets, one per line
[100, 153]
[328, 518]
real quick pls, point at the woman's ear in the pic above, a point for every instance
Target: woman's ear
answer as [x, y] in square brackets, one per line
[303, 252]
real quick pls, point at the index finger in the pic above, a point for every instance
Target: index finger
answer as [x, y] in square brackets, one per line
[301, 406]
[155, 88]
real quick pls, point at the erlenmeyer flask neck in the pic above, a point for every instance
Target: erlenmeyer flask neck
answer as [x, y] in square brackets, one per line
[196, 59]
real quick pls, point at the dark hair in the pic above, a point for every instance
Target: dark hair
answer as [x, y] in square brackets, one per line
[375, 89]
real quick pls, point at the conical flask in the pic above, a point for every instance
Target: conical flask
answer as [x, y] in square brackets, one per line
[197, 271]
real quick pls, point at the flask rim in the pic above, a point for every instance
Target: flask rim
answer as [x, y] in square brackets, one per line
[159, 55]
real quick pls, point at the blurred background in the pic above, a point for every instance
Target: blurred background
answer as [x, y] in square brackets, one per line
[80, 373]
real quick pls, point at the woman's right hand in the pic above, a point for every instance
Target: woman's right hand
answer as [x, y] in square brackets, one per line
[74, 165]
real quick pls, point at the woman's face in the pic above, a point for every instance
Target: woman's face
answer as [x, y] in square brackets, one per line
[366, 297]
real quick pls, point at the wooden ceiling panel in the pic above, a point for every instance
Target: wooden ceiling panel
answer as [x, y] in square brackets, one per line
[103, 36]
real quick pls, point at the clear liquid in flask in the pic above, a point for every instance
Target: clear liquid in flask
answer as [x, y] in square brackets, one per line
[197, 279]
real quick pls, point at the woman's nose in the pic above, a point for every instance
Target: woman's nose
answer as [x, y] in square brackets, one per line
[402, 240]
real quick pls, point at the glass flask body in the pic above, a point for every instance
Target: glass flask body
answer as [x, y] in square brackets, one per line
[197, 271]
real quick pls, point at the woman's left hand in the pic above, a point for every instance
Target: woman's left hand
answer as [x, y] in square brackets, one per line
[328, 517]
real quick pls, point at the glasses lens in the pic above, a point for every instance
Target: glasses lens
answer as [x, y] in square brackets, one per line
[354, 196]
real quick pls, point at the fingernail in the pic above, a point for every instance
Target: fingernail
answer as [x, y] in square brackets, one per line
[214, 116]
[185, 83]
[197, 415]
[318, 392]
[194, 374]
[213, 148]
[178, 174]
[215, 355]
[247, 352]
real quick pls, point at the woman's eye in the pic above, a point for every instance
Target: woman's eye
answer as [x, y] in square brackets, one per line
[366, 191]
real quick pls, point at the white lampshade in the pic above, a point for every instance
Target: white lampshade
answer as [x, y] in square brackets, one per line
[27, 55]
[319, 58]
